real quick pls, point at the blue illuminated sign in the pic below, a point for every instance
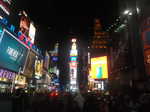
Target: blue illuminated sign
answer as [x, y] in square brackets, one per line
[8, 26]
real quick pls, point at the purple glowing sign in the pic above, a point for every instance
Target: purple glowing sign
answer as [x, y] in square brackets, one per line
[54, 58]
[7, 74]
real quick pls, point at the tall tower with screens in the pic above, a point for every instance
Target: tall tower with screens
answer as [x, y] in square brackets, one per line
[73, 66]
[99, 48]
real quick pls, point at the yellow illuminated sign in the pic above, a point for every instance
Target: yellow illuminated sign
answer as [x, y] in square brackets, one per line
[99, 69]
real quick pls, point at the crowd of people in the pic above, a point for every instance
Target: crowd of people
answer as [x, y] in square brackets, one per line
[80, 102]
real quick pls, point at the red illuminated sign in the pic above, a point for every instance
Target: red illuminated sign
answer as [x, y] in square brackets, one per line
[73, 64]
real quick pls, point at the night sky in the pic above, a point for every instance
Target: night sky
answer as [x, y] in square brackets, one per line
[55, 18]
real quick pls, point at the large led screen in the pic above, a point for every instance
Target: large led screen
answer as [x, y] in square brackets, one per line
[32, 31]
[12, 52]
[99, 69]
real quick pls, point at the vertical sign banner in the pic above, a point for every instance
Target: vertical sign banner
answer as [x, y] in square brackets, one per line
[46, 60]
[73, 65]
[12, 53]
[38, 68]
[99, 69]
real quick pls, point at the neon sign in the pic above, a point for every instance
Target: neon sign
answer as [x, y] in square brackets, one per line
[7, 74]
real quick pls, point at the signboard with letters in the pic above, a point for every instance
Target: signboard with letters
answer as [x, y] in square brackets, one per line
[13, 53]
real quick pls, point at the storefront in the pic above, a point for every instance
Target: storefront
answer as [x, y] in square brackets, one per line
[20, 81]
[6, 79]
[98, 85]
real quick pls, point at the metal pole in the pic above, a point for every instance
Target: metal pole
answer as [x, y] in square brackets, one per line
[13, 81]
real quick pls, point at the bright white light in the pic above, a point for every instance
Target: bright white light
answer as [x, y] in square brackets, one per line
[32, 31]
[1, 17]
[126, 12]
[73, 40]
[102, 86]
[74, 46]
[89, 60]
[73, 82]
[138, 10]
[57, 72]
[89, 91]
[130, 14]
[73, 53]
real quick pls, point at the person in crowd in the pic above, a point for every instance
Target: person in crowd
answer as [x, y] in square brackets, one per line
[79, 99]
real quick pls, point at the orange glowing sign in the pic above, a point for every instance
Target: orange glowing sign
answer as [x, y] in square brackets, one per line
[99, 69]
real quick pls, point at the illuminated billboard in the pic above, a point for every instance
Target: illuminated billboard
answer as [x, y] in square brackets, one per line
[19, 79]
[38, 68]
[24, 23]
[7, 74]
[99, 69]
[13, 53]
[32, 31]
